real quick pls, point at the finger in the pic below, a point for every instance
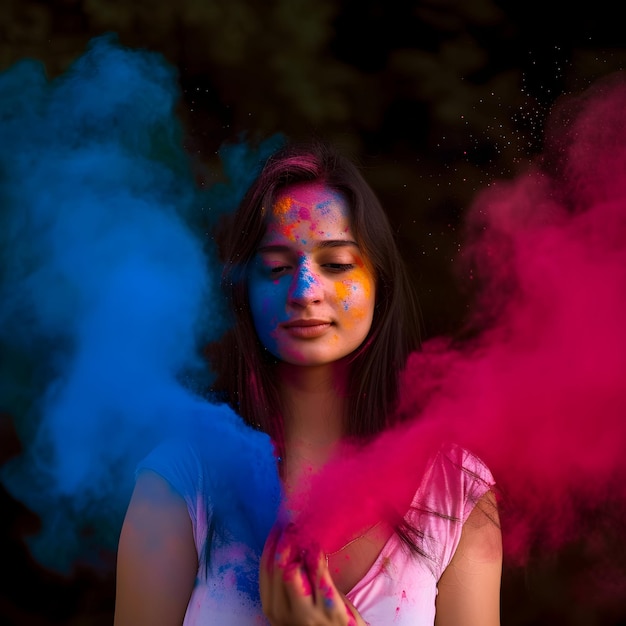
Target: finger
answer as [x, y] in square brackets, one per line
[297, 579]
[291, 590]
[298, 589]
[266, 567]
[336, 605]
[328, 597]
[269, 549]
[354, 618]
[275, 556]
[287, 597]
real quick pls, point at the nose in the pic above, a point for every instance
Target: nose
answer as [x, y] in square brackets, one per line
[306, 287]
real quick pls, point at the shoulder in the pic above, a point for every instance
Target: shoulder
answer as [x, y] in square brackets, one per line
[177, 461]
[454, 481]
[157, 558]
[221, 467]
[469, 588]
[458, 515]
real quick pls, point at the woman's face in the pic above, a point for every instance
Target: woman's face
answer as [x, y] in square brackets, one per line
[311, 288]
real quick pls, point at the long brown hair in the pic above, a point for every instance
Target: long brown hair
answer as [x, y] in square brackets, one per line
[245, 367]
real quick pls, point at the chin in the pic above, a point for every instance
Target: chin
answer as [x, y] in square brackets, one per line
[313, 360]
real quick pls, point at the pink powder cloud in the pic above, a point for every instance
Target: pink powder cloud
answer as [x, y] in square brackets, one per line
[539, 391]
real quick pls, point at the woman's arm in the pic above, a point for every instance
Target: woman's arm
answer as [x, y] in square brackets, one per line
[469, 589]
[156, 560]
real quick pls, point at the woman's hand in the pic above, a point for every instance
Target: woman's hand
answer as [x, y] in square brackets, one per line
[296, 586]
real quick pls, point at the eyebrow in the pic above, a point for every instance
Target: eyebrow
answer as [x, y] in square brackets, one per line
[331, 243]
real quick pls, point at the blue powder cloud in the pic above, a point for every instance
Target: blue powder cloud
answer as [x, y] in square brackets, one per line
[108, 285]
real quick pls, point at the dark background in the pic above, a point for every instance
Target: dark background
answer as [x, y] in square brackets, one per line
[433, 98]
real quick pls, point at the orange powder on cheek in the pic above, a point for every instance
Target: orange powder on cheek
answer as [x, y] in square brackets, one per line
[345, 290]
[363, 278]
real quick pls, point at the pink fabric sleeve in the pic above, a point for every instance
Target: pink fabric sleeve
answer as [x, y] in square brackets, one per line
[455, 481]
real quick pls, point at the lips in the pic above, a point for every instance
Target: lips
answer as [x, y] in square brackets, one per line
[307, 328]
[298, 323]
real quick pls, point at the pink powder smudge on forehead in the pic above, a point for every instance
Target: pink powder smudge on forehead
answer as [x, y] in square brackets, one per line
[539, 392]
[306, 215]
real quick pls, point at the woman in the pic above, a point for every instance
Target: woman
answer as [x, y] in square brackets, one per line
[324, 322]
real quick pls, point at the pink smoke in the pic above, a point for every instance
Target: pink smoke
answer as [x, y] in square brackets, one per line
[539, 391]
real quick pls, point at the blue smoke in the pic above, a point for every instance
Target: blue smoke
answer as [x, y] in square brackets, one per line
[108, 285]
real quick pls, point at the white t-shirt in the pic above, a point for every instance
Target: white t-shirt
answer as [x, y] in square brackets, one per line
[400, 588]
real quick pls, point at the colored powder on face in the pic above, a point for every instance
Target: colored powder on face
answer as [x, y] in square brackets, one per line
[538, 393]
[343, 291]
[282, 208]
[363, 279]
[304, 214]
[284, 214]
[323, 207]
[305, 280]
[347, 291]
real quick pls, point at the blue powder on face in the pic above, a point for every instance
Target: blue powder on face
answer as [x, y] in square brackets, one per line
[324, 207]
[305, 280]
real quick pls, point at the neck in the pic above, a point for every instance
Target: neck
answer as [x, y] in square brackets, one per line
[314, 412]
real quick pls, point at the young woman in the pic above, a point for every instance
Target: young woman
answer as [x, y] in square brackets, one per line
[323, 323]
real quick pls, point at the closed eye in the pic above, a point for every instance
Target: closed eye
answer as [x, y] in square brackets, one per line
[339, 267]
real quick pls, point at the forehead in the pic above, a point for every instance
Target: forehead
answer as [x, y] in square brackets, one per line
[311, 204]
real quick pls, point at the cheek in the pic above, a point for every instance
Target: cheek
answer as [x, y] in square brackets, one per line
[267, 307]
[355, 296]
